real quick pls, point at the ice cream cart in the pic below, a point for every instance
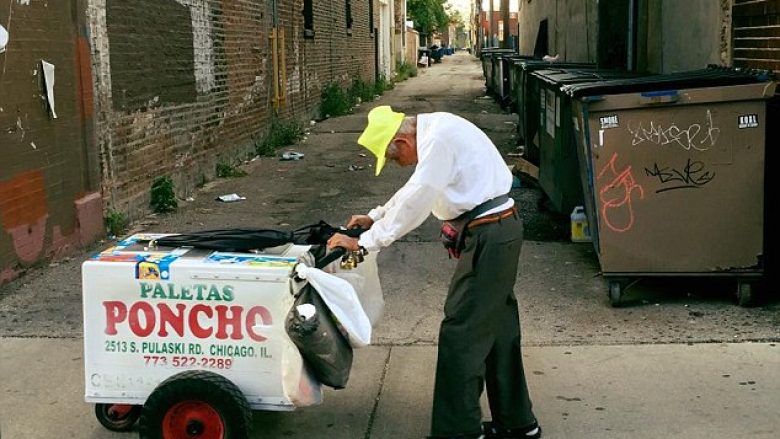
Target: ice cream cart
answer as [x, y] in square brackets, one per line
[190, 340]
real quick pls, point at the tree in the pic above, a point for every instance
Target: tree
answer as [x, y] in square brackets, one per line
[456, 18]
[428, 15]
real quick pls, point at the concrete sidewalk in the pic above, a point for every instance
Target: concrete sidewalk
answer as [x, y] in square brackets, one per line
[707, 391]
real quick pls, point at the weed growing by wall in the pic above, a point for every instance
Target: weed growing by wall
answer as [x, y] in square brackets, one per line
[281, 133]
[405, 71]
[382, 85]
[335, 101]
[361, 91]
[163, 196]
[116, 222]
[228, 170]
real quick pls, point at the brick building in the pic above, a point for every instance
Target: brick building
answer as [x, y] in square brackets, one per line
[50, 199]
[199, 82]
[659, 36]
[497, 28]
[151, 88]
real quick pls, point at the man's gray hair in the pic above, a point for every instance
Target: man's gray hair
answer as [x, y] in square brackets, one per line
[408, 126]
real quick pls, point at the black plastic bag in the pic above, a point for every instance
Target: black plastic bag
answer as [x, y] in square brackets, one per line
[319, 340]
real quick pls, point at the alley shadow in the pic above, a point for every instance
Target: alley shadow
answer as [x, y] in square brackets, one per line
[642, 291]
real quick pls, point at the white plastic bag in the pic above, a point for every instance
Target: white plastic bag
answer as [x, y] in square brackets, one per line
[365, 280]
[343, 302]
[299, 385]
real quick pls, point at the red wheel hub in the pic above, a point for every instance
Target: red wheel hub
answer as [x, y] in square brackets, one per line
[119, 411]
[193, 420]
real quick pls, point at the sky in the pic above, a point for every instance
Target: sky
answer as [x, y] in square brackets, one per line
[465, 5]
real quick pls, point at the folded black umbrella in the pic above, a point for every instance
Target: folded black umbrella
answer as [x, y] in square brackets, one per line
[242, 240]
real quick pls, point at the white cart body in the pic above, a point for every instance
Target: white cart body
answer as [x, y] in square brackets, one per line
[149, 315]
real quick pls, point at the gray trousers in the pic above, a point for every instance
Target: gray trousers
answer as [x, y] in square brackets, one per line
[479, 338]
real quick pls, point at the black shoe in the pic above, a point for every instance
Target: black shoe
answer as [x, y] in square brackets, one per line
[495, 431]
[462, 436]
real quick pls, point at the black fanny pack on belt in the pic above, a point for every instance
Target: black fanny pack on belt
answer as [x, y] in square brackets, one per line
[453, 231]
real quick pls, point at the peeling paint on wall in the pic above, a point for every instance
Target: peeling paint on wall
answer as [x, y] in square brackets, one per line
[24, 213]
[203, 45]
[294, 80]
[725, 32]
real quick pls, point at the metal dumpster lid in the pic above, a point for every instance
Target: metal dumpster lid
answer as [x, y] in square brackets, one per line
[703, 78]
[538, 64]
[513, 57]
[484, 53]
[565, 76]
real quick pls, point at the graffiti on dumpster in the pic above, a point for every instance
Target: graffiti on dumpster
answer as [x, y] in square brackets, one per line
[617, 196]
[693, 175]
[695, 136]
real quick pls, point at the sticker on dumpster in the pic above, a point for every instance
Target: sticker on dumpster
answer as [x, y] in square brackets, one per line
[609, 122]
[748, 121]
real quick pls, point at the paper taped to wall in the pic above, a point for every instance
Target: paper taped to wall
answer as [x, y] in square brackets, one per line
[48, 77]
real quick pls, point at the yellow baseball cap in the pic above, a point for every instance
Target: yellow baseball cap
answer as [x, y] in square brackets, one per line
[383, 124]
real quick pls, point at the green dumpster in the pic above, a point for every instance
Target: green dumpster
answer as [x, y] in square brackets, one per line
[526, 92]
[503, 77]
[488, 65]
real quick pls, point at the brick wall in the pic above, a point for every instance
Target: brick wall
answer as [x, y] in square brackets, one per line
[756, 34]
[49, 200]
[181, 84]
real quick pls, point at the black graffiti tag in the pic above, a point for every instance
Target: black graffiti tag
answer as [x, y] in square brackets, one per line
[692, 176]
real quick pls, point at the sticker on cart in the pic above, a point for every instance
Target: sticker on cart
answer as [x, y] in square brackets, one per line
[116, 254]
[251, 260]
[155, 268]
[147, 271]
[116, 257]
[608, 122]
[747, 121]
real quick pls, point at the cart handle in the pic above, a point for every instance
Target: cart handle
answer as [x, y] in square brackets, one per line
[330, 257]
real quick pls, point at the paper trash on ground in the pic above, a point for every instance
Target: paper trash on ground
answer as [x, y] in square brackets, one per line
[292, 155]
[229, 198]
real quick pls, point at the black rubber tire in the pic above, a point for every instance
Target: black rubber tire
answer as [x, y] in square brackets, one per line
[615, 293]
[114, 423]
[197, 385]
[745, 294]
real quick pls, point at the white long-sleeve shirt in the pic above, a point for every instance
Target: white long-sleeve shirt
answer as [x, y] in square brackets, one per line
[458, 168]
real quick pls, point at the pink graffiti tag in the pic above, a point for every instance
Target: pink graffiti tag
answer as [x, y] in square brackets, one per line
[617, 194]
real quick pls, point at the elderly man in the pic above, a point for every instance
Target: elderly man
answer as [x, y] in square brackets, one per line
[462, 179]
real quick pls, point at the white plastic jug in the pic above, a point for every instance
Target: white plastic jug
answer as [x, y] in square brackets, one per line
[580, 232]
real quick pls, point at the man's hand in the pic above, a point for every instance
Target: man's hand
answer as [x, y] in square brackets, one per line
[362, 221]
[340, 240]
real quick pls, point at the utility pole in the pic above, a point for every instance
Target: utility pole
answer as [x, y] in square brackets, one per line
[492, 27]
[507, 42]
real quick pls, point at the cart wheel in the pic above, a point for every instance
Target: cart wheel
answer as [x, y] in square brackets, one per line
[196, 404]
[745, 296]
[117, 417]
[615, 293]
